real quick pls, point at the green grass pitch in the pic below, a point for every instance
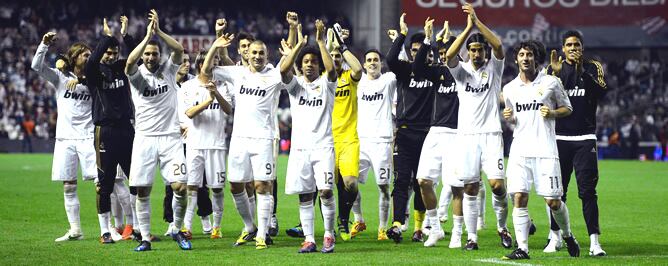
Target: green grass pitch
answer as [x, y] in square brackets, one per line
[632, 199]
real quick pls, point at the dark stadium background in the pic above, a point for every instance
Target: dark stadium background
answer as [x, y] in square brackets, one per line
[629, 37]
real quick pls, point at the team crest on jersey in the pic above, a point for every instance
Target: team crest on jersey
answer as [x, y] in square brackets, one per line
[317, 89]
[541, 90]
[442, 77]
[483, 75]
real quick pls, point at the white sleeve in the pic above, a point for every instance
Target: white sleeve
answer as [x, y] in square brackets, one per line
[331, 85]
[291, 86]
[458, 72]
[38, 65]
[506, 98]
[560, 95]
[225, 73]
[497, 65]
[170, 71]
[137, 81]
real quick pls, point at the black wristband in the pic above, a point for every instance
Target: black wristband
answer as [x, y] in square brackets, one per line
[343, 48]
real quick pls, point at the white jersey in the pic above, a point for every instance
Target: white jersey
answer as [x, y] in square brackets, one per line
[374, 107]
[207, 129]
[155, 99]
[478, 92]
[74, 106]
[534, 135]
[254, 98]
[311, 106]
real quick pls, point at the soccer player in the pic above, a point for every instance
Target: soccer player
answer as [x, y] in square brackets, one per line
[206, 153]
[74, 127]
[479, 140]
[585, 83]
[435, 161]
[414, 111]
[251, 156]
[533, 101]
[344, 128]
[374, 96]
[311, 162]
[158, 133]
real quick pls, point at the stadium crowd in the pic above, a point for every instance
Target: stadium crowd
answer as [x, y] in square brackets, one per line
[635, 109]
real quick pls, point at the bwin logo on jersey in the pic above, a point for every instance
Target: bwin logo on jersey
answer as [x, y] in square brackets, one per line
[212, 106]
[576, 92]
[117, 83]
[343, 93]
[476, 90]
[77, 96]
[375, 97]
[256, 92]
[160, 90]
[534, 106]
[446, 90]
[312, 102]
[420, 84]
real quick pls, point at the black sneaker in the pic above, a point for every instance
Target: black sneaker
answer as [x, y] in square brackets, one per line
[296, 231]
[394, 233]
[517, 254]
[106, 238]
[344, 230]
[506, 239]
[143, 246]
[182, 240]
[273, 227]
[471, 245]
[532, 228]
[268, 240]
[418, 236]
[573, 246]
[136, 235]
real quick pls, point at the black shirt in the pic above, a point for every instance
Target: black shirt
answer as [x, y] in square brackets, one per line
[584, 92]
[446, 103]
[109, 86]
[414, 95]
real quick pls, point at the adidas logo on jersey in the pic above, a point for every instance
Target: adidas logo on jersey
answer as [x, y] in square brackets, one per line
[160, 90]
[342, 93]
[420, 84]
[528, 106]
[576, 92]
[313, 102]
[476, 90]
[117, 83]
[376, 96]
[77, 96]
[256, 92]
[448, 89]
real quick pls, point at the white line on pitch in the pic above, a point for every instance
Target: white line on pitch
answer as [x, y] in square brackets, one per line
[498, 261]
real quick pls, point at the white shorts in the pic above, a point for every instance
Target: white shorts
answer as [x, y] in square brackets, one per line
[68, 154]
[376, 156]
[120, 175]
[436, 160]
[210, 163]
[310, 169]
[251, 159]
[165, 151]
[543, 173]
[477, 152]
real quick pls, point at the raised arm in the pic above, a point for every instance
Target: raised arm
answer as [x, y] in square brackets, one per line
[494, 41]
[420, 67]
[176, 47]
[293, 22]
[131, 64]
[397, 66]
[451, 54]
[38, 64]
[220, 42]
[355, 67]
[326, 58]
[221, 25]
[290, 54]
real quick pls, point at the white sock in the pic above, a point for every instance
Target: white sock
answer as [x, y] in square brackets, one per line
[264, 208]
[190, 210]
[482, 197]
[549, 215]
[408, 205]
[306, 214]
[593, 238]
[179, 204]
[144, 217]
[522, 222]
[242, 204]
[500, 205]
[357, 208]
[116, 210]
[554, 234]
[133, 206]
[103, 218]
[123, 195]
[444, 200]
[252, 204]
[217, 206]
[457, 224]
[72, 206]
[432, 219]
[470, 208]
[383, 210]
[328, 207]
[561, 217]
